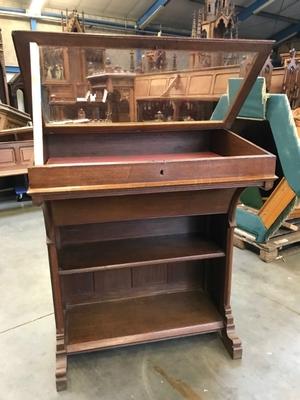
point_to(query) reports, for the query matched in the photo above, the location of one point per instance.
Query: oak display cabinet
(139, 215)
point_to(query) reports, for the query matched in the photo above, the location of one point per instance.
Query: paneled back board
(139, 214)
(16, 151)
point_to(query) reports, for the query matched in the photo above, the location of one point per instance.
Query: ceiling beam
(253, 8)
(109, 24)
(264, 14)
(269, 15)
(151, 12)
(286, 33)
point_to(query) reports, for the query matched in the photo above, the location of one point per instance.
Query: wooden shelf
(131, 321)
(132, 158)
(12, 171)
(113, 254)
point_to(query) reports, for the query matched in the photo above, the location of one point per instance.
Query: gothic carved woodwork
(291, 81)
(215, 20)
(156, 60)
(266, 72)
(71, 22)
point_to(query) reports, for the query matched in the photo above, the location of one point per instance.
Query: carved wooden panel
(15, 157)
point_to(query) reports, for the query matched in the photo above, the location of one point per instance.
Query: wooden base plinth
(61, 363)
(232, 343)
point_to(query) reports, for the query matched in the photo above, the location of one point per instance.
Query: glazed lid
(160, 81)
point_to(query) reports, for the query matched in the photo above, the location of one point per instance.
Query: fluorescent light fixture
(35, 8)
(266, 4)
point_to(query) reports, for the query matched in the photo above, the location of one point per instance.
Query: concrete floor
(266, 305)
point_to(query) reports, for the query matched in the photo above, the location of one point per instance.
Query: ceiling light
(35, 8)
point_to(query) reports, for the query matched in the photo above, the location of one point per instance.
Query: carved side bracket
(61, 363)
(232, 343)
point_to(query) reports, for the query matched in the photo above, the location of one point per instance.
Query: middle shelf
(134, 252)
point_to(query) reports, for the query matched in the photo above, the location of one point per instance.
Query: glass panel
(103, 86)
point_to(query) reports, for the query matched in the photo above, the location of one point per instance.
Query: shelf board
(113, 254)
(12, 171)
(132, 158)
(131, 321)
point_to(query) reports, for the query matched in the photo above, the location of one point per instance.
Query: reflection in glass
(100, 86)
(54, 64)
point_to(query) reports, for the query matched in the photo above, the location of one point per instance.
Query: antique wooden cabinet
(139, 215)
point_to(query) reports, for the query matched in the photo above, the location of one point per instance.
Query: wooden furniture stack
(140, 216)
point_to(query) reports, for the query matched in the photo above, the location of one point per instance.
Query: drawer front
(122, 208)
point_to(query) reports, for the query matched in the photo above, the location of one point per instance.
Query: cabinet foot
(232, 343)
(61, 363)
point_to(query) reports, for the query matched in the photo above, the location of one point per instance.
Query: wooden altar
(140, 215)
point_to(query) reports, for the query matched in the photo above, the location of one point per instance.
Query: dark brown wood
(134, 253)
(138, 320)
(140, 216)
(61, 363)
(161, 173)
(136, 207)
(131, 41)
(52, 244)
(230, 339)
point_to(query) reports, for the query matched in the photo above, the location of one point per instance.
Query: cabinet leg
(232, 343)
(61, 363)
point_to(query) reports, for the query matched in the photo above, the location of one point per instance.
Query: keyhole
(162, 172)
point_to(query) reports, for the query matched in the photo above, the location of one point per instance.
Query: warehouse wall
(9, 24)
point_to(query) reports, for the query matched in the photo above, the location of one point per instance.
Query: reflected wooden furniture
(68, 109)
(140, 216)
(205, 84)
(120, 94)
(72, 83)
(16, 143)
(169, 92)
(16, 151)
(10, 117)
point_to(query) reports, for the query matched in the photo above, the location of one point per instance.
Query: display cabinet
(139, 211)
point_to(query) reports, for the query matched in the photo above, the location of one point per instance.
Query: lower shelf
(131, 321)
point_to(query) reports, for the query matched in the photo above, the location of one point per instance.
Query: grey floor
(266, 304)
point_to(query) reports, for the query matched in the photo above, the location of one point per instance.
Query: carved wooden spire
(194, 28)
(199, 24)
